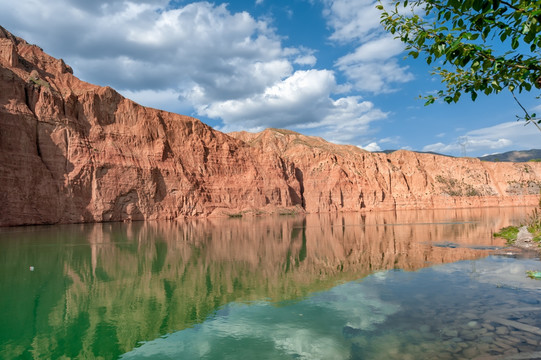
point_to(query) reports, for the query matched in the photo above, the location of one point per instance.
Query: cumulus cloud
(377, 77)
(499, 138)
(373, 65)
(352, 20)
(198, 58)
(149, 46)
(306, 60)
(373, 146)
(378, 49)
(301, 101)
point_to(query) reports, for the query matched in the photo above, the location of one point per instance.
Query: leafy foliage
(463, 35)
(534, 224)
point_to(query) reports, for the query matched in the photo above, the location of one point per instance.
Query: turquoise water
(406, 285)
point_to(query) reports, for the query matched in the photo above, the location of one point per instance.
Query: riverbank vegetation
(533, 224)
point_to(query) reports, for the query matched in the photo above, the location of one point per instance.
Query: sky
(320, 67)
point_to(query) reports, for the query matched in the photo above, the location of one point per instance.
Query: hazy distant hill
(420, 152)
(514, 156)
(510, 156)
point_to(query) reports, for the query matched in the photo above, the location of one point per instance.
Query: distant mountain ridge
(509, 156)
(514, 156)
(419, 152)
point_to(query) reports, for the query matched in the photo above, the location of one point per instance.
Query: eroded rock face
(346, 178)
(76, 152)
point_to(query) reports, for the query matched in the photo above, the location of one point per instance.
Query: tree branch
(527, 116)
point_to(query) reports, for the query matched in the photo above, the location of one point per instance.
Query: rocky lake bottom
(388, 285)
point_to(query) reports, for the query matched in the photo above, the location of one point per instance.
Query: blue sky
(320, 67)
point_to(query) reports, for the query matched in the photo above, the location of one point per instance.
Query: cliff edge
(74, 152)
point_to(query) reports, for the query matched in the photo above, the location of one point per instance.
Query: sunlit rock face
(75, 152)
(346, 178)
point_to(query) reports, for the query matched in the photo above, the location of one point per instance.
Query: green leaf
(514, 43)
(430, 100)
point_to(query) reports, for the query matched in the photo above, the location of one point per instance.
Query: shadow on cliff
(40, 183)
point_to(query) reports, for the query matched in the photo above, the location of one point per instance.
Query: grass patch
(508, 233)
(454, 187)
(534, 227)
(34, 78)
(534, 224)
(236, 215)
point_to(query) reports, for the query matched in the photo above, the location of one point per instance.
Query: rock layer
(346, 178)
(74, 152)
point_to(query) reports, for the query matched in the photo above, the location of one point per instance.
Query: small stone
(483, 348)
(486, 339)
(472, 324)
(511, 351)
(513, 339)
(525, 348)
(450, 333)
(488, 327)
(468, 335)
(524, 235)
(504, 342)
(531, 341)
(502, 330)
(470, 352)
(424, 328)
(443, 355)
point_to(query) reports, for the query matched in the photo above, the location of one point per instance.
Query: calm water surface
(387, 285)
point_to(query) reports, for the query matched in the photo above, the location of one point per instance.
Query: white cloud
(301, 101)
(390, 140)
(499, 138)
(352, 20)
(377, 77)
(306, 60)
(373, 146)
(201, 58)
(379, 49)
(149, 46)
(373, 65)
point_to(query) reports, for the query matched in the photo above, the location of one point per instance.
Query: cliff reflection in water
(98, 290)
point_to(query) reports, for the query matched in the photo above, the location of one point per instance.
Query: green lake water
(382, 285)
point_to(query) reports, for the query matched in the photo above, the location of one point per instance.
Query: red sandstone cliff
(346, 178)
(75, 152)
